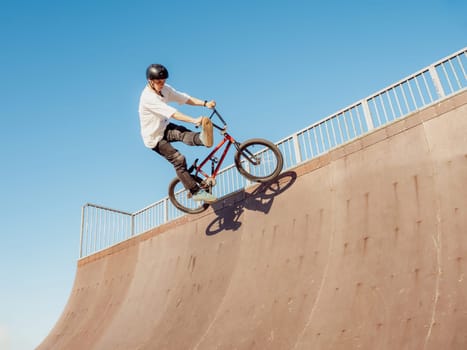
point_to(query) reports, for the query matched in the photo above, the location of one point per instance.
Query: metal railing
(103, 227)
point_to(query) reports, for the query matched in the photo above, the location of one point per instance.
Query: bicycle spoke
(259, 160)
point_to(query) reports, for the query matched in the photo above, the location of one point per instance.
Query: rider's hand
(197, 121)
(211, 104)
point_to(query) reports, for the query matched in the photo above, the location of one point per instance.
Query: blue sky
(72, 72)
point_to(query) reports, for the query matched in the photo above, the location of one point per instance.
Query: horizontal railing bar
(106, 208)
(149, 207)
(450, 57)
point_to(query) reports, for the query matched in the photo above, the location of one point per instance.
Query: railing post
(247, 181)
(367, 114)
(296, 145)
(132, 233)
(81, 233)
(166, 210)
(436, 81)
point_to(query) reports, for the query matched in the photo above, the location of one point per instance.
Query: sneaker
(206, 132)
(203, 196)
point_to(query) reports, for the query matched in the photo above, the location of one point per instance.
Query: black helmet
(156, 71)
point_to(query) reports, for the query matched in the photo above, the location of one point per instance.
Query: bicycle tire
(266, 153)
(188, 206)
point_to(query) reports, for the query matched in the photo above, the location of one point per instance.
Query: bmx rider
(159, 132)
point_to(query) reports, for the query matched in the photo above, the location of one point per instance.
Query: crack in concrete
(437, 243)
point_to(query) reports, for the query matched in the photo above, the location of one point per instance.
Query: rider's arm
(185, 118)
(193, 101)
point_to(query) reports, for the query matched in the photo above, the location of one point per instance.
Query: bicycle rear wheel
(181, 198)
(259, 160)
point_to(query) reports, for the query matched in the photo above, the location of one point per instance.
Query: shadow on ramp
(261, 199)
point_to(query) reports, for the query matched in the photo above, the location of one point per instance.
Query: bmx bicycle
(257, 159)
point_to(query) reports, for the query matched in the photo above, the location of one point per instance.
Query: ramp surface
(362, 248)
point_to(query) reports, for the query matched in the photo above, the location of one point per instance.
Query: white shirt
(154, 112)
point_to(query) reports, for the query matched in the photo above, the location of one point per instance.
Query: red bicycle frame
(227, 141)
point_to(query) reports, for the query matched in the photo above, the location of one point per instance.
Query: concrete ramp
(362, 248)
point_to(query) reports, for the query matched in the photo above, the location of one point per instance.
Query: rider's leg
(180, 133)
(175, 133)
(165, 149)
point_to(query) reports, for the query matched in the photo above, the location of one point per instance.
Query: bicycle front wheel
(182, 200)
(259, 160)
